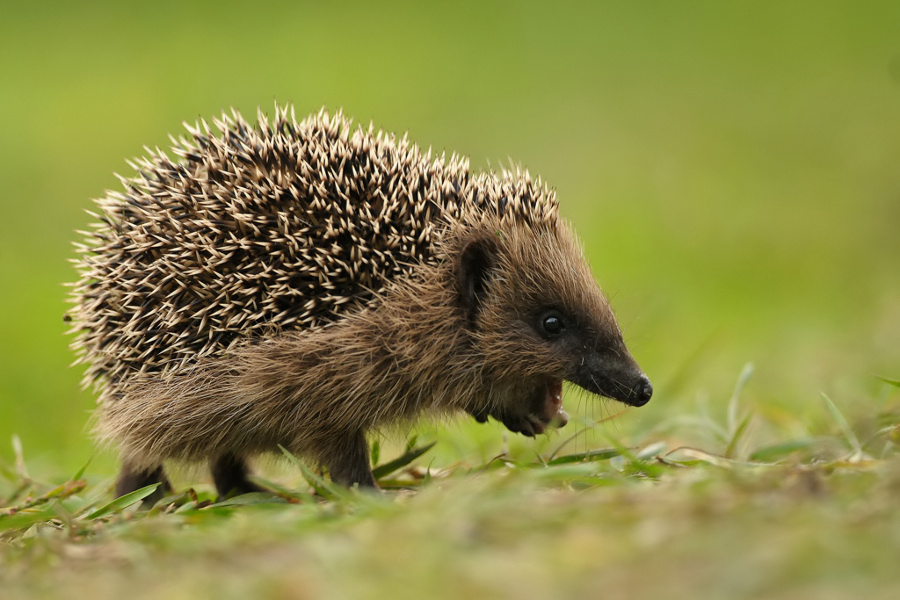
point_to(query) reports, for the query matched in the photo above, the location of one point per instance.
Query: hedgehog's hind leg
(132, 478)
(348, 462)
(230, 474)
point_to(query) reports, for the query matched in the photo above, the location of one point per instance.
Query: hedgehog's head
(537, 317)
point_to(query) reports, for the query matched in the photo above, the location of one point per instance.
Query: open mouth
(549, 410)
(553, 408)
(541, 409)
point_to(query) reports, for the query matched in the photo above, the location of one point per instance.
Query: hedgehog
(302, 284)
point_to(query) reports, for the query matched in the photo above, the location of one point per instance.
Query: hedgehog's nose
(642, 391)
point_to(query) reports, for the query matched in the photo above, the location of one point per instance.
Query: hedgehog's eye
(551, 324)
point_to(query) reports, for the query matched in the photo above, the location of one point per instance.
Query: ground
(808, 517)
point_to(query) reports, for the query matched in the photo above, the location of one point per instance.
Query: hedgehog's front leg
(348, 461)
(230, 475)
(133, 478)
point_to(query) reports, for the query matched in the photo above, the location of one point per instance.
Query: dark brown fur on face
(489, 317)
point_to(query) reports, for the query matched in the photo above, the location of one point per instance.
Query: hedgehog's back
(250, 231)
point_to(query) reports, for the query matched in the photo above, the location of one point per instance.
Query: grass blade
(25, 519)
(400, 462)
(589, 456)
(81, 471)
(734, 402)
(845, 428)
(889, 381)
(375, 452)
(322, 487)
(736, 436)
(123, 502)
(65, 490)
(21, 469)
(775, 452)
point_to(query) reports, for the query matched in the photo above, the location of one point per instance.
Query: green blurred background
(731, 166)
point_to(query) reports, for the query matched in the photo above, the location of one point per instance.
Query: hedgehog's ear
(472, 272)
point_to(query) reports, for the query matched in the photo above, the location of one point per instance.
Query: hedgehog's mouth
(537, 411)
(544, 408)
(553, 411)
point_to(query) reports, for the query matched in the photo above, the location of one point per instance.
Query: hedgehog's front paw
(530, 425)
(541, 409)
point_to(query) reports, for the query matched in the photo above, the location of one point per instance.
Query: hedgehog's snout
(615, 376)
(641, 392)
(618, 387)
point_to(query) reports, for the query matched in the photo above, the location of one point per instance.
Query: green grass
(808, 516)
(732, 170)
